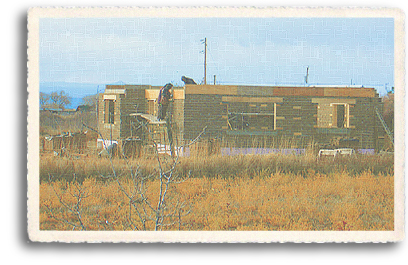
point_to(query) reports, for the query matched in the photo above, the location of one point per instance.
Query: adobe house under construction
(122, 109)
(246, 116)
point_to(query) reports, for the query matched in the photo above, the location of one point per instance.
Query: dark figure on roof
(188, 81)
(163, 101)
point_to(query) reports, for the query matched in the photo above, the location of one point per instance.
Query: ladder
(387, 130)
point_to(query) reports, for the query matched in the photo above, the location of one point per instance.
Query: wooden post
(169, 129)
(375, 127)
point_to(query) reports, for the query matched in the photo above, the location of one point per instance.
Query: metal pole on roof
(307, 75)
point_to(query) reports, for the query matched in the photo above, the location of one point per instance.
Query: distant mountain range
(78, 90)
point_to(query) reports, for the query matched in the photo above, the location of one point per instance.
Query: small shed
(67, 142)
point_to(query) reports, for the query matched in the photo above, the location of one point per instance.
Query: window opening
(333, 115)
(109, 111)
(340, 113)
(251, 119)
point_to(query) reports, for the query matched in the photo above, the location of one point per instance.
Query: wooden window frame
(346, 115)
(243, 114)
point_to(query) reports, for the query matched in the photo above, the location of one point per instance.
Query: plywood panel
(298, 91)
(114, 87)
(211, 89)
(255, 90)
(252, 99)
(349, 92)
(333, 100)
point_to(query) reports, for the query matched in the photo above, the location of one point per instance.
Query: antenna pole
(307, 75)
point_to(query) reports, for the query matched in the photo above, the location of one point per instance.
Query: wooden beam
(333, 100)
(211, 90)
(152, 94)
(251, 99)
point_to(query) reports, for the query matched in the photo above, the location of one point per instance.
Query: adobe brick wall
(201, 111)
(298, 116)
(176, 111)
(132, 102)
(296, 113)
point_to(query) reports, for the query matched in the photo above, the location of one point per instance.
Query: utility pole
(205, 61)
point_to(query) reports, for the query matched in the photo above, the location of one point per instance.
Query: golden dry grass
(213, 166)
(277, 201)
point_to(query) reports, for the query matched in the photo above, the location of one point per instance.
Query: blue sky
(273, 51)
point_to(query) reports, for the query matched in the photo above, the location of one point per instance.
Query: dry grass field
(53, 124)
(252, 192)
